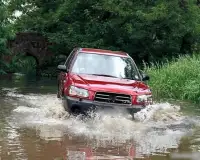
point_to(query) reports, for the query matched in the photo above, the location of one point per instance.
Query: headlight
(75, 91)
(144, 98)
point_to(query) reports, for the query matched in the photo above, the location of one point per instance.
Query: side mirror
(62, 68)
(145, 77)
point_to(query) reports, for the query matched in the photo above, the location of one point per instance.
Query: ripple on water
(156, 128)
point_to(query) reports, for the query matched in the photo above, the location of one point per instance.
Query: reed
(176, 79)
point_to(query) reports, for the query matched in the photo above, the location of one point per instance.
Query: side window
(69, 58)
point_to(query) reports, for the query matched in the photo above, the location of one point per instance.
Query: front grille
(112, 98)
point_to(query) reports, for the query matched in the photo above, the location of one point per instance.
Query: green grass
(177, 79)
(23, 64)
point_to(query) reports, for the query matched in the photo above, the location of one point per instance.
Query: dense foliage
(6, 32)
(147, 29)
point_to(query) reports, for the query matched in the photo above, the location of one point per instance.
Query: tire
(131, 112)
(75, 111)
(58, 92)
(133, 118)
(66, 106)
(58, 95)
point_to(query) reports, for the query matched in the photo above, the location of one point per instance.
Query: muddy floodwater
(34, 125)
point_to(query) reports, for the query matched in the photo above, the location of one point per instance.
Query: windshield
(105, 65)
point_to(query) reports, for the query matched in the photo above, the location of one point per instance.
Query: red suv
(95, 78)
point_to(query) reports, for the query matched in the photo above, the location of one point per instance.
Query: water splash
(159, 112)
(154, 129)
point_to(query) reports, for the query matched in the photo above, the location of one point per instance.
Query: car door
(62, 75)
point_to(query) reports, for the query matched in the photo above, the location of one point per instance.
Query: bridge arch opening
(25, 64)
(34, 47)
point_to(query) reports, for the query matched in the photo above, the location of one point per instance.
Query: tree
(6, 32)
(148, 30)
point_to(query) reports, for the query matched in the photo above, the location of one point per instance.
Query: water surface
(35, 126)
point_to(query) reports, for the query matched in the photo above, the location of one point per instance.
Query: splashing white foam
(46, 114)
(164, 111)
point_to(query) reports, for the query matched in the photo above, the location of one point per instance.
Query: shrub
(177, 79)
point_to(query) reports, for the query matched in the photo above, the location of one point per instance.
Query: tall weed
(178, 79)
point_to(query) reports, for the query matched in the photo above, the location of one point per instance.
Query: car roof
(103, 51)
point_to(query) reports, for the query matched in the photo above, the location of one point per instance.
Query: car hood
(109, 84)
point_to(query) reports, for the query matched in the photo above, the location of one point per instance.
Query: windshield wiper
(105, 75)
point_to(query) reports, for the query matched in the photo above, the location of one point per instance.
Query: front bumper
(85, 105)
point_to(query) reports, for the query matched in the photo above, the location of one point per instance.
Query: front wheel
(132, 116)
(66, 107)
(132, 113)
(59, 92)
(58, 95)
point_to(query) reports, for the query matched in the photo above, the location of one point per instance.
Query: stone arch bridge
(30, 44)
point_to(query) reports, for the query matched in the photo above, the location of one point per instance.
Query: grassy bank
(178, 79)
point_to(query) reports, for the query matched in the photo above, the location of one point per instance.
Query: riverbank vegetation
(6, 32)
(152, 31)
(177, 79)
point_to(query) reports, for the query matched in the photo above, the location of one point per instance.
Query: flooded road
(34, 125)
